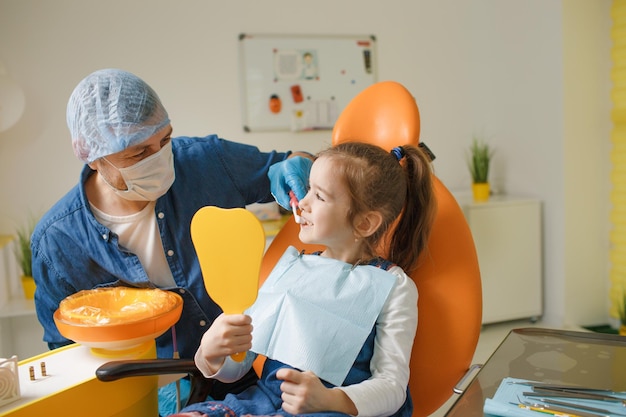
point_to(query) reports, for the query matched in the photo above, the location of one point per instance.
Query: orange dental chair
(447, 275)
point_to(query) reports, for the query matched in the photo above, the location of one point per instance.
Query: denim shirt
(72, 251)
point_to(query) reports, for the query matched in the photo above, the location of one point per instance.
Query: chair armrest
(200, 386)
(112, 371)
(464, 382)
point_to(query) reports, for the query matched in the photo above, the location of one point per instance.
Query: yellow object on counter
(70, 387)
(29, 286)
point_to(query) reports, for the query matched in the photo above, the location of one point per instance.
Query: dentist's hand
(290, 174)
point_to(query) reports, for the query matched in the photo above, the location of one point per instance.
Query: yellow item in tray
(106, 306)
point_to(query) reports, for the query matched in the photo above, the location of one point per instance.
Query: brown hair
(399, 186)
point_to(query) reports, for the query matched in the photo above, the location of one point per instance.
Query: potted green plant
(24, 257)
(478, 160)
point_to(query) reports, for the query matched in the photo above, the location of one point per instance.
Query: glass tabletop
(547, 355)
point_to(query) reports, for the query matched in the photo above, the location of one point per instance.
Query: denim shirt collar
(104, 231)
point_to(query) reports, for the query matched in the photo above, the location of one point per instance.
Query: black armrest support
(200, 386)
(112, 371)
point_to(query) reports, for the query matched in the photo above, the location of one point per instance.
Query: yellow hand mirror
(230, 245)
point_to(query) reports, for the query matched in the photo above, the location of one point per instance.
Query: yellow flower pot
(28, 284)
(481, 191)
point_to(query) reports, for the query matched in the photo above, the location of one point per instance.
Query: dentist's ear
(94, 165)
(366, 224)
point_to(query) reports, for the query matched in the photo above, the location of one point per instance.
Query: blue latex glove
(290, 174)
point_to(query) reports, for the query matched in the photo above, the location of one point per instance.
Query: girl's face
(324, 211)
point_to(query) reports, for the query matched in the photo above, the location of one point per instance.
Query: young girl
(359, 310)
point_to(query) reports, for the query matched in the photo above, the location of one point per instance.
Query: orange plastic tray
(117, 318)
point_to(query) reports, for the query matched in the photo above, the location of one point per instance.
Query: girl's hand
(229, 334)
(303, 392)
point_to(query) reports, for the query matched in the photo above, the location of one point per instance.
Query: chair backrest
(447, 277)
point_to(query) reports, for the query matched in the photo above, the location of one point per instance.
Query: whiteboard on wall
(302, 82)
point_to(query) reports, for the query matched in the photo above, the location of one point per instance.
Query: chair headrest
(383, 114)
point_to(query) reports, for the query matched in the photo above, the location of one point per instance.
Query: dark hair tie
(398, 152)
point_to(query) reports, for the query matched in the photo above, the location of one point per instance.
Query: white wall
(492, 67)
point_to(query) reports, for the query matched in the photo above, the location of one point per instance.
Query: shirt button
(161, 215)
(170, 253)
(104, 237)
(181, 290)
(202, 323)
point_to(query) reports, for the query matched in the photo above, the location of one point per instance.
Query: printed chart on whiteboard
(302, 82)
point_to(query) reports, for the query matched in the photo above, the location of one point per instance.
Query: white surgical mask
(149, 178)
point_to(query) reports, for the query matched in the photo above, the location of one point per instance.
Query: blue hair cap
(110, 110)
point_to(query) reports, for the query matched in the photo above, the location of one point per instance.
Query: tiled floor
(490, 338)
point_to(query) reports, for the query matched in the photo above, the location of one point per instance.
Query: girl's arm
(227, 335)
(385, 391)
(303, 392)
